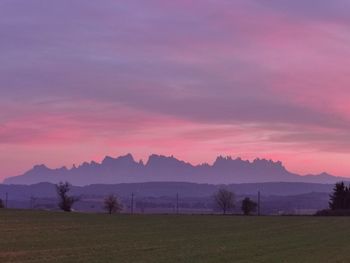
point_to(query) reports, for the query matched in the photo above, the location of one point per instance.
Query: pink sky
(83, 79)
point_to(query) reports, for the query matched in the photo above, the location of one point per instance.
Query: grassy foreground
(28, 236)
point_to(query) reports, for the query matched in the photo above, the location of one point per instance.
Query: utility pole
(177, 203)
(258, 203)
(142, 207)
(132, 203)
(6, 200)
(32, 202)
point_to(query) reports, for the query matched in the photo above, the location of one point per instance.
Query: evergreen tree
(340, 198)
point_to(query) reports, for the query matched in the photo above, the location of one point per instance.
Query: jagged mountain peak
(40, 167)
(128, 158)
(124, 169)
(155, 160)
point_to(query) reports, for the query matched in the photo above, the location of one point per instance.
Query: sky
(82, 79)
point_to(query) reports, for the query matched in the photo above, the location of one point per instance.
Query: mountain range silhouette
(159, 168)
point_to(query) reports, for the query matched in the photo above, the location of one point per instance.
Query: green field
(27, 236)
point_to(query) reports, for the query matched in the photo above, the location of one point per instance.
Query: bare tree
(2, 203)
(248, 206)
(224, 200)
(112, 204)
(65, 202)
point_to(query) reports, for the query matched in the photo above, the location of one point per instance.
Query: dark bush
(329, 212)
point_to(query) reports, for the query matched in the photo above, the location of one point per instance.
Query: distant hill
(159, 189)
(125, 169)
(160, 197)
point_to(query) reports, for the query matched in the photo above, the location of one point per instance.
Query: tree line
(223, 199)
(65, 201)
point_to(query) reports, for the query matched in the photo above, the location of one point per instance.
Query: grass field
(29, 236)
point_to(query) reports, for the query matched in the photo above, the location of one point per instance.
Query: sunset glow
(80, 80)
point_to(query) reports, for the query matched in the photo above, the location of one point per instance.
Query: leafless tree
(65, 202)
(224, 200)
(112, 204)
(2, 204)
